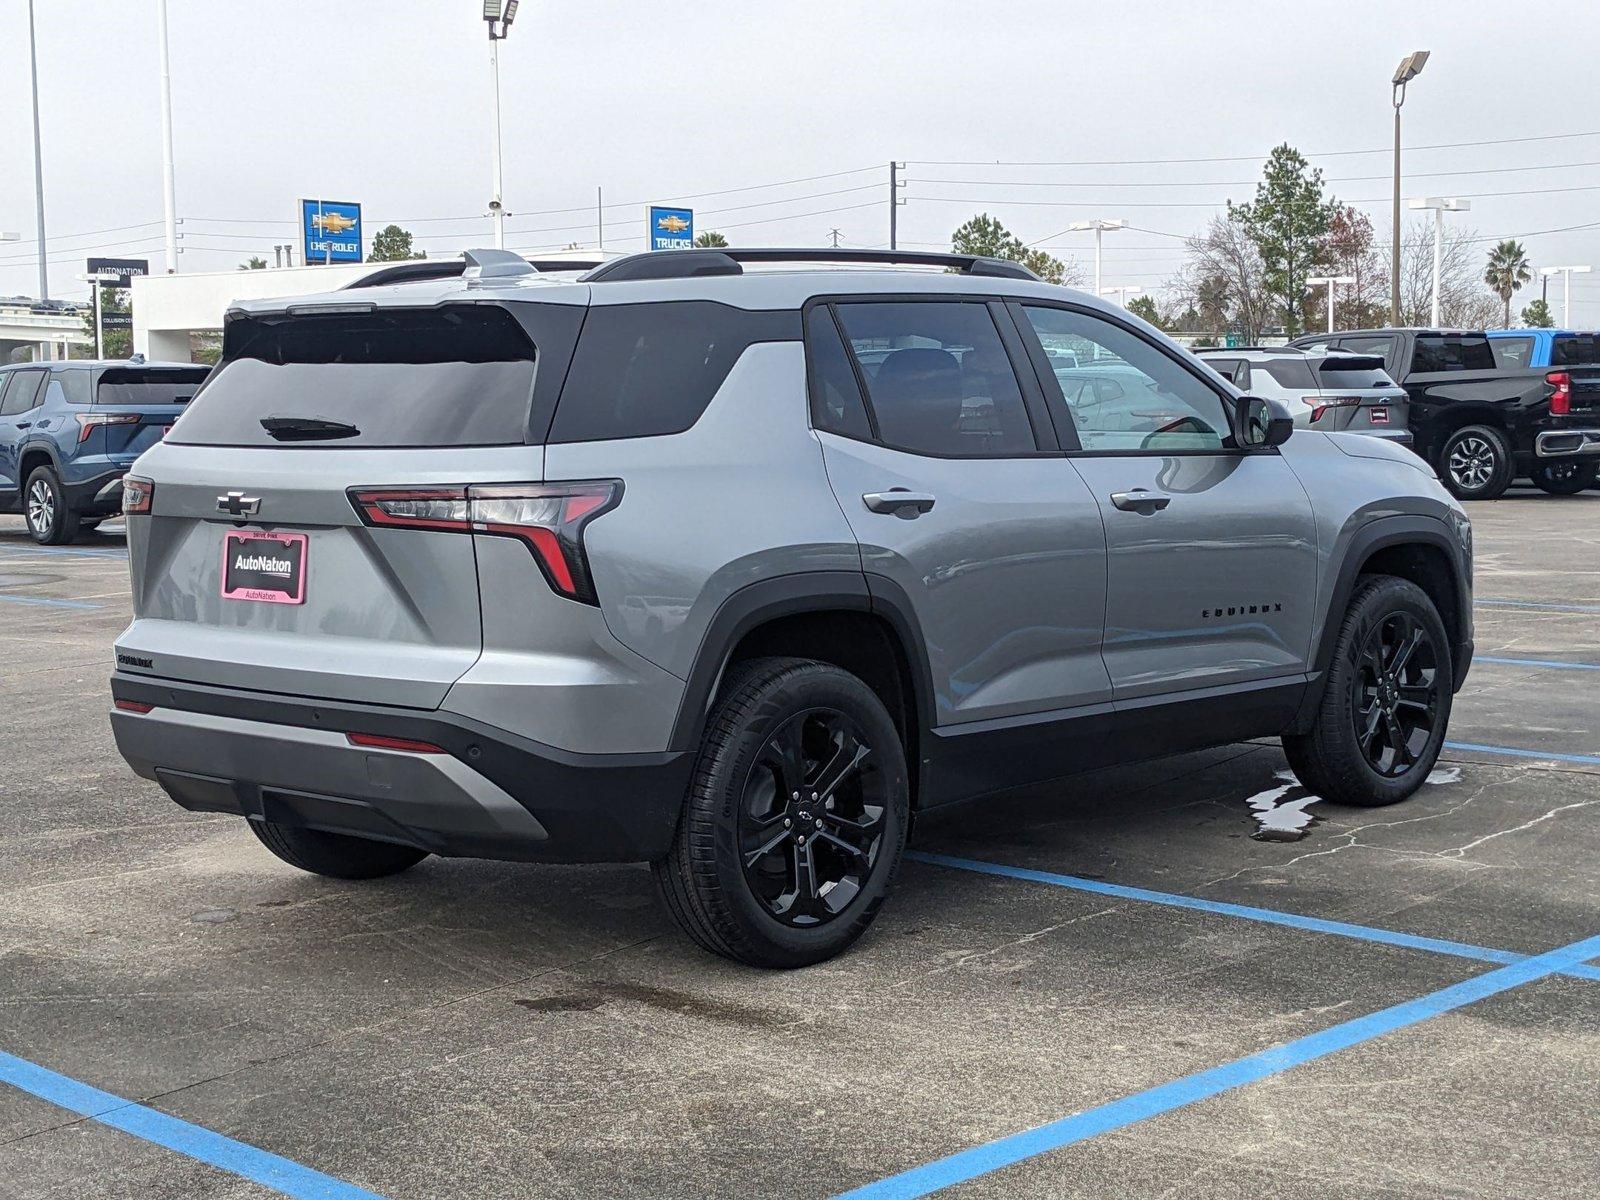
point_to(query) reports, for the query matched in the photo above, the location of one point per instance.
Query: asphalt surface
(474, 1029)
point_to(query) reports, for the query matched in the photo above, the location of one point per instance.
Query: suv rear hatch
(256, 568)
(132, 407)
(1356, 395)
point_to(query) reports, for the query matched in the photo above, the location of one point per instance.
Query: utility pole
(38, 159)
(499, 26)
(600, 218)
(168, 192)
(894, 202)
(1329, 280)
(1439, 205)
(1566, 274)
(1410, 67)
(1099, 225)
(834, 234)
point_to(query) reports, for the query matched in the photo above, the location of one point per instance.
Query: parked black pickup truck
(1483, 425)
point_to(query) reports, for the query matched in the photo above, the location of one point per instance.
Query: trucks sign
(330, 232)
(671, 228)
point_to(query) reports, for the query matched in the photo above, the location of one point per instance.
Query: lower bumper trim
(1567, 443)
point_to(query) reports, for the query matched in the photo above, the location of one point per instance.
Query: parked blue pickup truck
(1544, 348)
(69, 431)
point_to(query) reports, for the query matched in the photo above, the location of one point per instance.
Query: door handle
(1140, 501)
(23, 424)
(908, 506)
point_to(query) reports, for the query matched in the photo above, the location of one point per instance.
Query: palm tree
(710, 238)
(1508, 270)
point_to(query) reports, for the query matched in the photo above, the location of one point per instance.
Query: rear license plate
(268, 567)
(1380, 416)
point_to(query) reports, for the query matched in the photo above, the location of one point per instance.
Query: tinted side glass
(143, 385)
(75, 384)
(23, 394)
(1382, 347)
(1291, 373)
(1228, 368)
(452, 376)
(1435, 353)
(642, 370)
(1575, 350)
(939, 379)
(1511, 352)
(1128, 394)
(836, 403)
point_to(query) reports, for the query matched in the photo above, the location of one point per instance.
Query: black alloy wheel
(1396, 694)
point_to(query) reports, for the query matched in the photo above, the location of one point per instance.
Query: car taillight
(1561, 398)
(89, 422)
(137, 494)
(1324, 403)
(548, 517)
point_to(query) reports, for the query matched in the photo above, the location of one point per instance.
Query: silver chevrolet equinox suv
(736, 571)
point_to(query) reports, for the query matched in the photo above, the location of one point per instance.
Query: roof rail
(687, 264)
(449, 268)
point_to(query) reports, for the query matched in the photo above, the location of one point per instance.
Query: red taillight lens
(548, 517)
(1561, 398)
(379, 742)
(89, 422)
(137, 494)
(1324, 403)
(133, 706)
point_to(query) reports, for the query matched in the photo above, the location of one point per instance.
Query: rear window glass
(1575, 350)
(1354, 373)
(642, 370)
(127, 385)
(452, 376)
(1452, 354)
(1510, 352)
(1292, 373)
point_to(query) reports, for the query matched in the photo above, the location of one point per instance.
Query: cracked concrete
(487, 1030)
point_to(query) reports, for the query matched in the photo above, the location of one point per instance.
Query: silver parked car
(735, 571)
(1329, 390)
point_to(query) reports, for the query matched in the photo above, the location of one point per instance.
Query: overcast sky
(387, 102)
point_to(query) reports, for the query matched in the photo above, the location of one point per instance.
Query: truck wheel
(1475, 463)
(1386, 702)
(1565, 478)
(335, 854)
(50, 522)
(795, 821)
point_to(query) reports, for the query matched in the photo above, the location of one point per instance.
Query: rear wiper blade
(307, 429)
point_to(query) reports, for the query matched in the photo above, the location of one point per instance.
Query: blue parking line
(50, 601)
(1553, 664)
(1130, 1110)
(1539, 604)
(1588, 760)
(194, 1141)
(1366, 933)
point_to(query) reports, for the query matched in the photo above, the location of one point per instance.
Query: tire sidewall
(1585, 478)
(57, 504)
(1370, 609)
(820, 686)
(1498, 480)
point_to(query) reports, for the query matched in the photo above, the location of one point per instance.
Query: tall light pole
(1410, 67)
(497, 16)
(1439, 205)
(1099, 225)
(38, 159)
(1566, 274)
(168, 195)
(1330, 280)
(1122, 292)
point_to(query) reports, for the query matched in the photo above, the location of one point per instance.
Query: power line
(1028, 183)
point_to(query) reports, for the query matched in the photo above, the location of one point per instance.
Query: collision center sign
(330, 232)
(671, 228)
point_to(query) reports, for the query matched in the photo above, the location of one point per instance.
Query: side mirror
(1260, 423)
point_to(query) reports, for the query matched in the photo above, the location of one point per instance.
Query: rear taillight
(548, 517)
(89, 422)
(137, 494)
(379, 742)
(1324, 403)
(1561, 397)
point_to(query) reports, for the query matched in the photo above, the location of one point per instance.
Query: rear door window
(836, 403)
(459, 375)
(1435, 353)
(1511, 352)
(142, 385)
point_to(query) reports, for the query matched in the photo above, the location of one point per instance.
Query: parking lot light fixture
(1329, 281)
(1566, 274)
(497, 18)
(1410, 67)
(1099, 225)
(1439, 206)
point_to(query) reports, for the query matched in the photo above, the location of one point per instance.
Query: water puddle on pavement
(1282, 813)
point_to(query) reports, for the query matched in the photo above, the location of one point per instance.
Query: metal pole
(894, 204)
(1566, 298)
(600, 217)
(1098, 234)
(1330, 306)
(1438, 253)
(168, 194)
(99, 333)
(496, 209)
(38, 160)
(1394, 248)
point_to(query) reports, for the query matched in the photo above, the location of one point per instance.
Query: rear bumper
(1400, 437)
(99, 495)
(491, 794)
(1567, 443)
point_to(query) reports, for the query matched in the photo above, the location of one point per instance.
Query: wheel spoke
(855, 852)
(847, 758)
(1369, 730)
(1398, 742)
(1407, 648)
(1417, 695)
(754, 856)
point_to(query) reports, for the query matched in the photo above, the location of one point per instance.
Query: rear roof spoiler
(689, 264)
(486, 263)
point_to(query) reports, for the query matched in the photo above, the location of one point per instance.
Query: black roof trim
(688, 264)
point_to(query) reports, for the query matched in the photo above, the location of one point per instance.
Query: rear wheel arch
(32, 458)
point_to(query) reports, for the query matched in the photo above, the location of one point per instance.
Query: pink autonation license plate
(267, 567)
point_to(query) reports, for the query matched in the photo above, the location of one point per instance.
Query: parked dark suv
(69, 431)
(734, 572)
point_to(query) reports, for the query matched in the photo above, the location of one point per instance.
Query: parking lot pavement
(1101, 962)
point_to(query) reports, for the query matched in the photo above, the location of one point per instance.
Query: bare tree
(1465, 301)
(1224, 281)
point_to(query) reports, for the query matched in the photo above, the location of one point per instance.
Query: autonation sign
(330, 232)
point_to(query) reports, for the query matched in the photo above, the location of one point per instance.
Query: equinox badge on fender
(237, 504)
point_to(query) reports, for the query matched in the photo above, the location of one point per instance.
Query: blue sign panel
(671, 228)
(330, 232)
